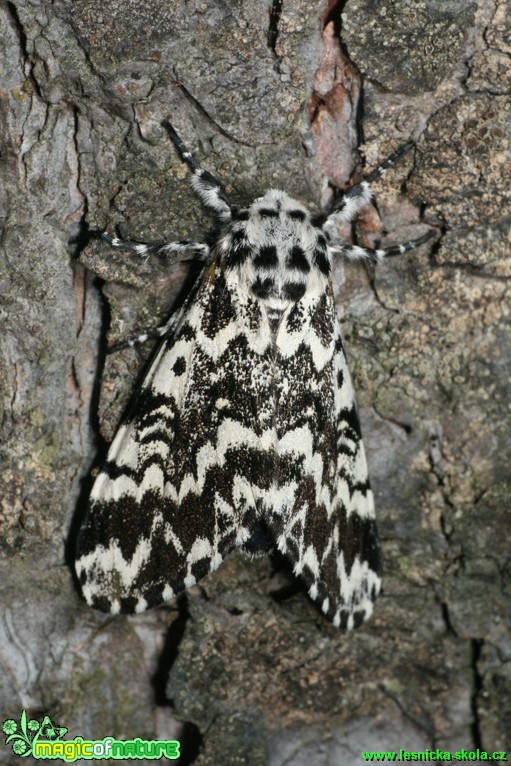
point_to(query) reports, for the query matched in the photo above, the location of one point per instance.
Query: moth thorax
(279, 254)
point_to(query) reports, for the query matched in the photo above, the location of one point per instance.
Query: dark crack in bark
(204, 112)
(273, 25)
(477, 689)
(27, 59)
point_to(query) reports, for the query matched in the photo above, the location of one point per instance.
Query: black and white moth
(245, 432)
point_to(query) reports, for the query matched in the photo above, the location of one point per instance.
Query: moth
(245, 432)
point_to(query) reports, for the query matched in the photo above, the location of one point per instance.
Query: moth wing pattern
(187, 470)
(326, 526)
(207, 461)
(147, 536)
(245, 432)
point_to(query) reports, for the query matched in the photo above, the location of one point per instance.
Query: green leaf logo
(22, 736)
(50, 730)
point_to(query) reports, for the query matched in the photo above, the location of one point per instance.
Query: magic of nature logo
(44, 740)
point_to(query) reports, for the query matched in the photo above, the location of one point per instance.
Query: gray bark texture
(242, 668)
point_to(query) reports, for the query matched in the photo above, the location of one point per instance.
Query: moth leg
(204, 183)
(358, 253)
(183, 250)
(348, 204)
(156, 332)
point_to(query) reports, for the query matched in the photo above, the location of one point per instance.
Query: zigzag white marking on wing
(170, 536)
(354, 501)
(288, 341)
(300, 442)
(111, 559)
(153, 478)
(231, 433)
(106, 489)
(352, 581)
(280, 499)
(125, 450)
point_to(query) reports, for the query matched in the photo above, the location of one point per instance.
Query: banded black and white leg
(204, 183)
(184, 250)
(212, 195)
(347, 205)
(377, 255)
(138, 340)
